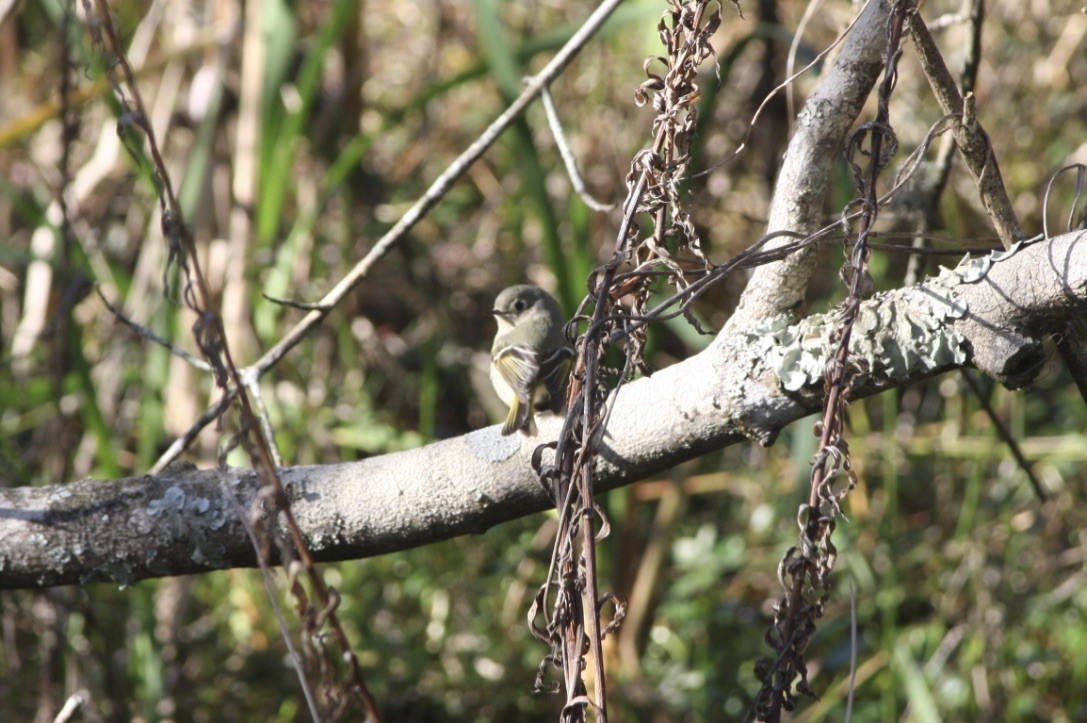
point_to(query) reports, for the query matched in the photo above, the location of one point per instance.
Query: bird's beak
(503, 319)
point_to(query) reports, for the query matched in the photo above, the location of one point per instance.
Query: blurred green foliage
(969, 592)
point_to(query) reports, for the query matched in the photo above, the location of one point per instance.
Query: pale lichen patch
(895, 336)
(189, 517)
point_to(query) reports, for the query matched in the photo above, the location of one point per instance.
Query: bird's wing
(555, 368)
(519, 367)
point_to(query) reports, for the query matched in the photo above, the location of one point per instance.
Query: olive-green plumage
(530, 358)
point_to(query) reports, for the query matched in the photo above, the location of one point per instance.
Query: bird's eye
(519, 305)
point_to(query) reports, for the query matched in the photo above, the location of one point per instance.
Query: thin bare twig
(1005, 435)
(152, 336)
(252, 383)
(790, 63)
(568, 155)
(853, 635)
(780, 87)
(76, 700)
(273, 598)
(300, 305)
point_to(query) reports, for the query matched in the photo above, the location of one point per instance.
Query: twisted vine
(804, 571)
(566, 612)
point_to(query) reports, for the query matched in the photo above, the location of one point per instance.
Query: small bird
(530, 358)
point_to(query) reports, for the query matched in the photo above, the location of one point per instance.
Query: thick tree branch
(991, 313)
(816, 145)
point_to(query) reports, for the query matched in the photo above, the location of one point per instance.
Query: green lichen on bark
(897, 335)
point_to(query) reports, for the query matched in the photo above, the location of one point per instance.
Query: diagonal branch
(534, 86)
(805, 172)
(970, 137)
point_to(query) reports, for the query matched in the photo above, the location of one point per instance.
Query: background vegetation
(969, 591)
